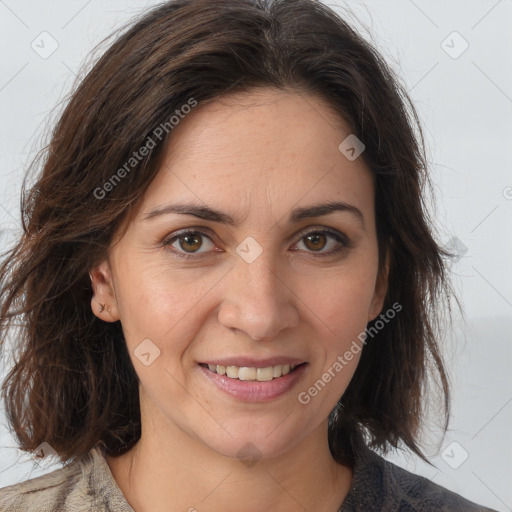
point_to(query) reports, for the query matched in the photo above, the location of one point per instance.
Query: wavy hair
(73, 383)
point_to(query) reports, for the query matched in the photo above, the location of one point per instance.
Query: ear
(381, 288)
(103, 302)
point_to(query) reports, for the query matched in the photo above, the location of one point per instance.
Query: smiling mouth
(252, 374)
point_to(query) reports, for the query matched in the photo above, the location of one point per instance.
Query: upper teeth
(246, 373)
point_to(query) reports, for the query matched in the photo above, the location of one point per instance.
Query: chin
(252, 444)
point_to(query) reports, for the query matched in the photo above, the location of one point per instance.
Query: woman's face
(262, 285)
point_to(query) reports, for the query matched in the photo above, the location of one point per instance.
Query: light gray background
(465, 104)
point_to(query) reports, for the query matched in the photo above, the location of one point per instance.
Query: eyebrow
(297, 215)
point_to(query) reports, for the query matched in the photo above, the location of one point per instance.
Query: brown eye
(190, 242)
(315, 241)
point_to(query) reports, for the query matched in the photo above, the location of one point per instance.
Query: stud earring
(102, 307)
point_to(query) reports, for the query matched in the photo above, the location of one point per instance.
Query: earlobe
(103, 301)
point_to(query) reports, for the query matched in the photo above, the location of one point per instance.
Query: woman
(229, 282)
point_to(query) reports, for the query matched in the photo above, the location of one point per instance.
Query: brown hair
(73, 383)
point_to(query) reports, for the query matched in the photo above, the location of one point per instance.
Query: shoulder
(414, 492)
(46, 492)
(86, 484)
(380, 482)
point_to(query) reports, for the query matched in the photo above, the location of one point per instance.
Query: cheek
(342, 301)
(159, 305)
(154, 290)
(344, 318)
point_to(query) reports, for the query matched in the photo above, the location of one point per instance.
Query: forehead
(261, 123)
(265, 149)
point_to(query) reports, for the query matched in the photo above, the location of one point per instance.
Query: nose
(257, 300)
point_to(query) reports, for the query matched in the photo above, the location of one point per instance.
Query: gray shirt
(88, 485)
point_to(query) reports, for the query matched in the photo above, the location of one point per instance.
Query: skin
(257, 157)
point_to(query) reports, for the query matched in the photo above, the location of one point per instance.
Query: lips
(253, 390)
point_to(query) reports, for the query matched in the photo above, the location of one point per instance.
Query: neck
(182, 471)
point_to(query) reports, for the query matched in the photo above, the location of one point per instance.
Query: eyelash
(339, 237)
